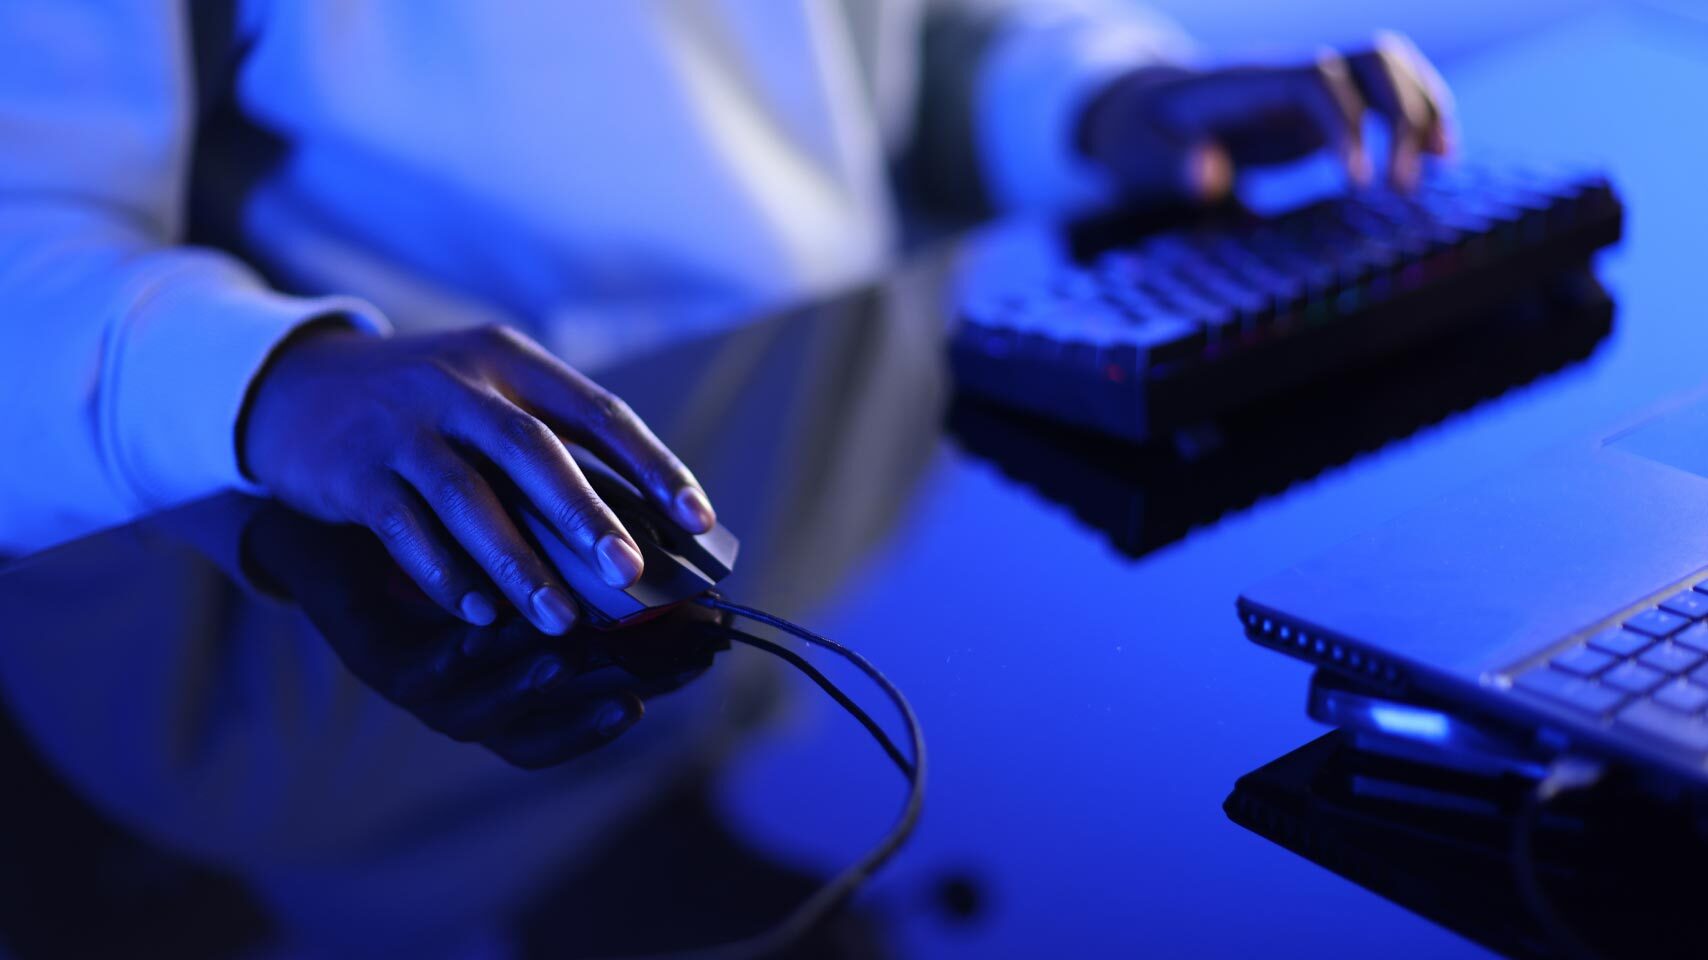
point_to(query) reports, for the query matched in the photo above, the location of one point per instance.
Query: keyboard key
(1623, 643)
(1687, 603)
(1683, 697)
(1585, 695)
(1075, 285)
(1633, 677)
(1165, 339)
(1669, 726)
(1583, 661)
(1694, 636)
(1670, 658)
(1700, 674)
(1657, 623)
(1244, 286)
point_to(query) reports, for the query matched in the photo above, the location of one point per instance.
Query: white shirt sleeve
(125, 357)
(1049, 59)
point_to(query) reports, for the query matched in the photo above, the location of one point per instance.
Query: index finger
(597, 419)
(1402, 86)
(1320, 96)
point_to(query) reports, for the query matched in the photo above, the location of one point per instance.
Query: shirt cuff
(184, 361)
(1044, 67)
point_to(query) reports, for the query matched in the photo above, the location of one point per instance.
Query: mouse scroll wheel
(643, 528)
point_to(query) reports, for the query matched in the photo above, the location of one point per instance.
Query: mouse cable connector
(834, 893)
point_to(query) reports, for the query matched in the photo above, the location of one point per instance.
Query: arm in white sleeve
(1047, 61)
(125, 358)
(1006, 82)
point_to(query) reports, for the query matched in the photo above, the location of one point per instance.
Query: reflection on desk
(209, 762)
(1613, 872)
(1146, 496)
(202, 721)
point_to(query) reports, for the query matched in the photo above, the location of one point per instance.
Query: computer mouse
(678, 565)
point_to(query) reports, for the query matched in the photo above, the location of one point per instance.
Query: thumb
(1154, 167)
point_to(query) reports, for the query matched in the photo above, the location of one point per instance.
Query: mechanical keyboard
(1145, 496)
(1187, 324)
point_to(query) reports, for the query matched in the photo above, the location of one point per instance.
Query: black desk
(200, 754)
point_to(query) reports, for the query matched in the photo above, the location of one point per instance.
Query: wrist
(277, 368)
(1131, 131)
(1122, 101)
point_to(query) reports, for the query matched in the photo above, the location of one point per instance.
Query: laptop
(1567, 599)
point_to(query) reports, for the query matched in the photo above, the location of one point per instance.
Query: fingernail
(615, 717)
(1362, 171)
(477, 609)
(476, 643)
(545, 674)
(553, 611)
(694, 511)
(619, 563)
(1209, 172)
(1407, 171)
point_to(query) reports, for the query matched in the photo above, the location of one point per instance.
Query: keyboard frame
(1039, 377)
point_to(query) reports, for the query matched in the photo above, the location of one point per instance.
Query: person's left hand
(1169, 133)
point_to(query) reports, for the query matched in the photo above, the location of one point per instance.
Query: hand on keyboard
(1168, 132)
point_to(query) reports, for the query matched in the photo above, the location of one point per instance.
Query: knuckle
(393, 521)
(1339, 90)
(524, 433)
(496, 336)
(1325, 74)
(435, 575)
(581, 514)
(455, 488)
(424, 449)
(506, 567)
(1394, 46)
(430, 373)
(1330, 72)
(606, 410)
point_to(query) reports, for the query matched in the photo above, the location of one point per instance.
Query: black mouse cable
(832, 690)
(835, 892)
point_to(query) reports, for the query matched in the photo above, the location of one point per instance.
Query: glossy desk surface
(193, 763)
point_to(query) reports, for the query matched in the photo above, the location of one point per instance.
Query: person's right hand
(394, 433)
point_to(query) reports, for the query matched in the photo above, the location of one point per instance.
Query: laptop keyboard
(1647, 675)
